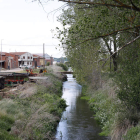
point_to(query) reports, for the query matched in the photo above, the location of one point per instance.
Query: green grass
(34, 117)
(133, 133)
(6, 122)
(4, 135)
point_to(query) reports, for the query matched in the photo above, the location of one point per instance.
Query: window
(23, 57)
(30, 63)
(27, 63)
(28, 57)
(31, 57)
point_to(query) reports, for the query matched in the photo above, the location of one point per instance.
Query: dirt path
(12, 70)
(54, 69)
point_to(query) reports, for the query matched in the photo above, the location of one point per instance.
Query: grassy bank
(116, 120)
(34, 112)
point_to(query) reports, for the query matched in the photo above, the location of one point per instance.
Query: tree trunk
(115, 64)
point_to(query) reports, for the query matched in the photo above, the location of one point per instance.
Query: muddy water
(77, 122)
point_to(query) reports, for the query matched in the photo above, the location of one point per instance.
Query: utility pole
(43, 56)
(1, 54)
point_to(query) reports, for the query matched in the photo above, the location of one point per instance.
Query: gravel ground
(13, 70)
(55, 69)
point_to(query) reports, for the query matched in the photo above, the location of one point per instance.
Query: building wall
(5, 65)
(13, 62)
(26, 59)
(3, 59)
(36, 62)
(42, 61)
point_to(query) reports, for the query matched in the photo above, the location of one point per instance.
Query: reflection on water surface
(77, 122)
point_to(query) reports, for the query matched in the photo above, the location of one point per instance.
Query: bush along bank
(33, 116)
(116, 120)
(65, 68)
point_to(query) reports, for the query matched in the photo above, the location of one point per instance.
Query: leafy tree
(128, 77)
(105, 27)
(94, 31)
(110, 17)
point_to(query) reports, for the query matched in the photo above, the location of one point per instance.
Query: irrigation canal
(77, 122)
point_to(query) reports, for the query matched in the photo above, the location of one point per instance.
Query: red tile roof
(3, 53)
(18, 53)
(34, 55)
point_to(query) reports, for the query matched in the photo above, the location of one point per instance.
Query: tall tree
(112, 16)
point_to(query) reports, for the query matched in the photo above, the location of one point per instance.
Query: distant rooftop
(18, 53)
(46, 55)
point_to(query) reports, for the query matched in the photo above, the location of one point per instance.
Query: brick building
(36, 60)
(16, 59)
(47, 59)
(8, 60)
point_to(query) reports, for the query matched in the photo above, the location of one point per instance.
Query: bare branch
(102, 36)
(109, 48)
(107, 6)
(134, 5)
(130, 42)
(119, 2)
(39, 1)
(104, 4)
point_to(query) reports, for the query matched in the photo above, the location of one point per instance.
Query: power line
(26, 45)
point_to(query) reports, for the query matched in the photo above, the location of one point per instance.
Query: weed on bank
(115, 119)
(35, 116)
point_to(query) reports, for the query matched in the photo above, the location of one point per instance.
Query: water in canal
(77, 122)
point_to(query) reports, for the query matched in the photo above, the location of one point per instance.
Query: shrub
(62, 104)
(48, 63)
(63, 66)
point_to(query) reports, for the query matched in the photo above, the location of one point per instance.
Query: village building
(8, 60)
(48, 59)
(36, 61)
(24, 58)
(17, 59)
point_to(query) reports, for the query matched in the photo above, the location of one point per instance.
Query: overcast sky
(23, 22)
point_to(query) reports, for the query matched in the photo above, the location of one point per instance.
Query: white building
(24, 58)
